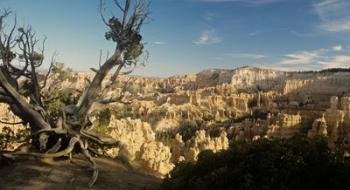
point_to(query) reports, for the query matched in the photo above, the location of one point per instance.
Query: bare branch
(116, 74)
(5, 13)
(116, 2)
(102, 5)
(11, 123)
(55, 147)
(84, 146)
(34, 117)
(64, 152)
(50, 69)
(100, 59)
(126, 11)
(116, 99)
(9, 40)
(42, 52)
(101, 140)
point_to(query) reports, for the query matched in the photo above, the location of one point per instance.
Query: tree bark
(32, 116)
(89, 96)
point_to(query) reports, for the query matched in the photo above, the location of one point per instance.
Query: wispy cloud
(337, 48)
(208, 37)
(209, 16)
(334, 15)
(247, 2)
(334, 57)
(159, 43)
(340, 61)
(300, 58)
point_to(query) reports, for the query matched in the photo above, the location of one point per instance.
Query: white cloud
(337, 48)
(208, 37)
(336, 25)
(334, 15)
(159, 43)
(300, 58)
(340, 61)
(334, 57)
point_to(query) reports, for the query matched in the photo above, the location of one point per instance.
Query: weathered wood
(84, 146)
(89, 96)
(72, 122)
(31, 115)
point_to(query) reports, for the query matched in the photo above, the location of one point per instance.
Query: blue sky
(187, 36)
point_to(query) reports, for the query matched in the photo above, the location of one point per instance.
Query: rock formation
(132, 134)
(155, 158)
(201, 141)
(171, 120)
(319, 128)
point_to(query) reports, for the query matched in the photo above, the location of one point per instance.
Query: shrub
(61, 70)
(297, 163)
(104, 118)
(59, 98)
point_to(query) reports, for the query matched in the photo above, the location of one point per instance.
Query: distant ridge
(331, 70)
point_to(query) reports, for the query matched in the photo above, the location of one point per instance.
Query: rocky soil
(34, 174)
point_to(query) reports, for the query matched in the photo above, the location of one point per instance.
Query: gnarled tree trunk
(72, 124)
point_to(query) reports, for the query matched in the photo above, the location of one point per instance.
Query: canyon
(160, 122)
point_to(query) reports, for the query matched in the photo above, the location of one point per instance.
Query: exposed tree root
(55, 147)
(64, 152)
(52, 153)
(75, 134)
(84, 147)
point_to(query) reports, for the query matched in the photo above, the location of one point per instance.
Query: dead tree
(21, 55)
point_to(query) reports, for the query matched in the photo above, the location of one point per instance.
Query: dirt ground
(36, 174)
